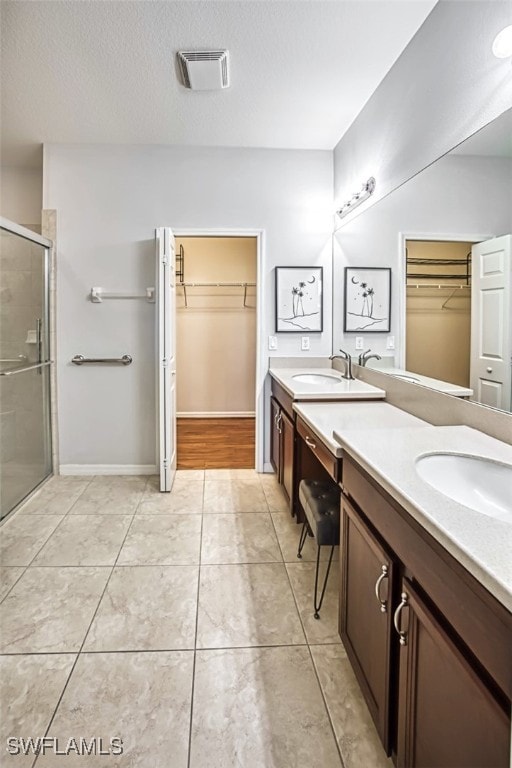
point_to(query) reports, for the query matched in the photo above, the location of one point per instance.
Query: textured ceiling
(106, 71)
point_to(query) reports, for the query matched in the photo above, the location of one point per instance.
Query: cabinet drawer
(324, 456)
(284, 399)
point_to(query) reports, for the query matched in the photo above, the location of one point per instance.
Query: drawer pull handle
(383, 575)
(310, 442)
(489, 369)
(396, 619)
(278, 422)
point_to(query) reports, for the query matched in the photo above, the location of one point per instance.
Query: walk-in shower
(25, 425)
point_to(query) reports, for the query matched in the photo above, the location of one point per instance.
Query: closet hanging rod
(438, 287)
(216, 285)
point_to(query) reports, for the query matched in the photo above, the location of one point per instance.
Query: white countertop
(336, 388)
(425, 381)
(482, 544)
(330, 420)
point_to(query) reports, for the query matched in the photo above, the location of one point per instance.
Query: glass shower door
(25, 429)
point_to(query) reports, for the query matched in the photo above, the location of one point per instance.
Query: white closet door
(491, 333)
(166, 356)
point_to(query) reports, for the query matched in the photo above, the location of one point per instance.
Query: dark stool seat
(321, 504)
(320, 501)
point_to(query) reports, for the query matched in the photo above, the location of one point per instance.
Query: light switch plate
(390, 342)
(304, 343)
(359, 342)
(272, 342)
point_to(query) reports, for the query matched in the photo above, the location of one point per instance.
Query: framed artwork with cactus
(367, 300)
(299, 306)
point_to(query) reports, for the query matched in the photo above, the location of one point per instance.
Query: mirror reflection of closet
(438, 310)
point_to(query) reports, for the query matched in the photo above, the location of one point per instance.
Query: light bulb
(502, 45)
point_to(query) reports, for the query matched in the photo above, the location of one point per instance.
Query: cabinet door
(365, 614)
(447, 717)
(275, 437)
(287, 438)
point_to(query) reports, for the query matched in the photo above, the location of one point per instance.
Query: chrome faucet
(348, 363)
(364, 357)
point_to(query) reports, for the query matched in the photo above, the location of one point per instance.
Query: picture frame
(367, 307)
(299, 299)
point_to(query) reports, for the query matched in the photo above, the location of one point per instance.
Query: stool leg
(319, 605)
(303, 537)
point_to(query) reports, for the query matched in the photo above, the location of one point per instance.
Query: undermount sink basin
(315, 378)
(478, 483)
(405, 377)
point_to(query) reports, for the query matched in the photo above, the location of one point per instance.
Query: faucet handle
(344, 354)
(362, 356)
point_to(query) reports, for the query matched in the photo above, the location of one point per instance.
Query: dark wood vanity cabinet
(366, 616)
(282, 437)
(275, 437)
(447, 716)
(287, 453)
(431, 648)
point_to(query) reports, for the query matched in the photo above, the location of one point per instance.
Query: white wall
(458, 195)
(109, 200)
(446, 85)
(21, 191)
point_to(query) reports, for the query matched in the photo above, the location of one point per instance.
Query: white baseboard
(267, 467)
(216, 414)
(108, 469)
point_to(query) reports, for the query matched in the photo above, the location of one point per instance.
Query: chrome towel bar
(80, 360)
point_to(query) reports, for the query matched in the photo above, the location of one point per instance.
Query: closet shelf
(464, 266)
(186, 285)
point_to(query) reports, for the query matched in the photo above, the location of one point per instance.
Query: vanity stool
(321, 504)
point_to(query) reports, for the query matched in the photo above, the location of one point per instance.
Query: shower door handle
(39, 335)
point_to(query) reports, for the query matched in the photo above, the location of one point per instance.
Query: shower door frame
(34, 237)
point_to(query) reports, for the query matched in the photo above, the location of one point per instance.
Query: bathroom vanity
(429, 641)
(291, 385)
(425, 580)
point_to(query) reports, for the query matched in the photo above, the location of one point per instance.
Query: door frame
(259, 405)
(443, 237)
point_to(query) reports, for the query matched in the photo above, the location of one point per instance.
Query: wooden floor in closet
(215, 443)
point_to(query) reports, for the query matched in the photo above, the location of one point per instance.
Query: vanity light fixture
(367, 190)
(502, 45)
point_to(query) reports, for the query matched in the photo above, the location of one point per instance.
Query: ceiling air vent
(204, 70)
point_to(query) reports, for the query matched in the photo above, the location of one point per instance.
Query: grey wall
(109, 200)
(446, 85)
(21, 191)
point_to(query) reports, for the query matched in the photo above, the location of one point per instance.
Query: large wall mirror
(446, 234)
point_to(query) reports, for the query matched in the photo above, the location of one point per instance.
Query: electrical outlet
(304, 343)
(359, 342)
(390, 342)
(272, 342)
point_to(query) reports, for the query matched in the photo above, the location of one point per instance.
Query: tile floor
(180, 623)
